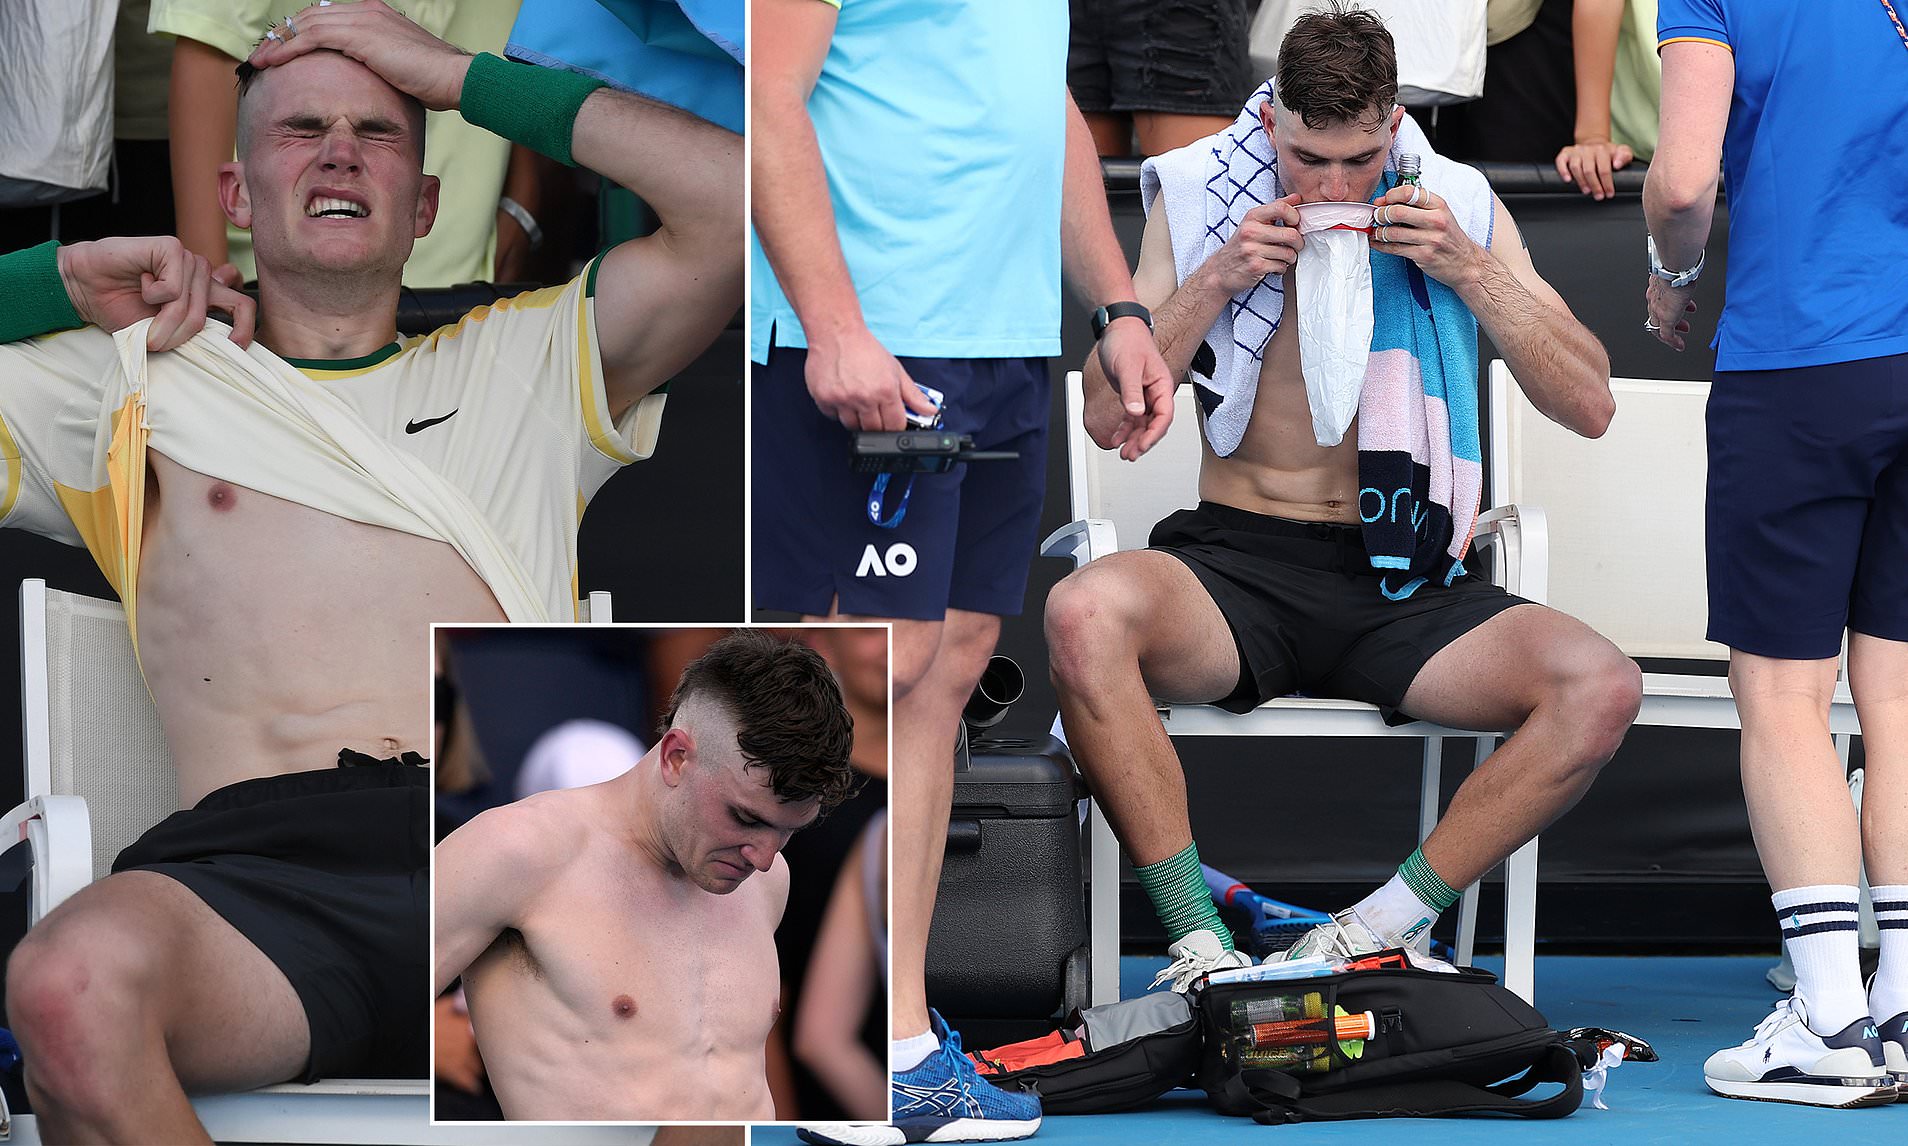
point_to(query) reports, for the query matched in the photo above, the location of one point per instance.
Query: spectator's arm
(202, 118)
(840, 986)
(523, 185)
(1588, 162)
(487, 871)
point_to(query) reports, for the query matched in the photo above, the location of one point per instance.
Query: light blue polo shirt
(1815, 160)
(942, 126)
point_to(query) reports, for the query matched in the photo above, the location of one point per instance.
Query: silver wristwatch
(1674, 278)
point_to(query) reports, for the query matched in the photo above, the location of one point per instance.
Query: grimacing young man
(617, 941)
(1288, 575)
(284, 517)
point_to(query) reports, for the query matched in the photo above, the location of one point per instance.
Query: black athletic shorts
(1303, 604)
(327, 874)
(1182, 57)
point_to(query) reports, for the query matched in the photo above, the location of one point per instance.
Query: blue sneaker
(944, 1099)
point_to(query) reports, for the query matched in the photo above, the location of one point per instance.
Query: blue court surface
(1685, 1008)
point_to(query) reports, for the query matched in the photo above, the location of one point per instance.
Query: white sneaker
(1195, 956)
(1345, 937)
(1785, 1061)
(1894, 1037)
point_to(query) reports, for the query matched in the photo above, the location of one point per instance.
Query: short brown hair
(788, 713)
(1338, 65)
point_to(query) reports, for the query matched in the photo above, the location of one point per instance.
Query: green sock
(1180, 899)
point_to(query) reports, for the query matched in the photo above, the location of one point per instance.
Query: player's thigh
(229, 1017)
(1144, 605)
(1494, 676)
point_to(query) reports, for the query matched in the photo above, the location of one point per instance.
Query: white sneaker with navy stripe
(1785, 1061)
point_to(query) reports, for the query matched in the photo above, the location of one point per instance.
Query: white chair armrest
(60, 842)
(1524, 533)
(1081, 541)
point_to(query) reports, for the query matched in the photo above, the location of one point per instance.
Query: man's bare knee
(75, 994)
(913, 656)
(1088, 621)
(1600, 697)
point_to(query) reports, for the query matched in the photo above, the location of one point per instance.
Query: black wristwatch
(1115, 310)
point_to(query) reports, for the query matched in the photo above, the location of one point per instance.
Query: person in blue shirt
(922, 181)
(1804, 108)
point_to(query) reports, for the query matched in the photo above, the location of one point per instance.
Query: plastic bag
(1334, 317)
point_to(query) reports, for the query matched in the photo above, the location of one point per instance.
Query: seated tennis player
(617, 941)
(283, 516)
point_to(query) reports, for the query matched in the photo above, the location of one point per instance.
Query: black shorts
(327, 874)
(1303, 604)
(1182, 57)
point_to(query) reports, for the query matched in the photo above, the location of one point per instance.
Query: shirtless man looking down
(284, 518)
(1268, 586)
(618, 957)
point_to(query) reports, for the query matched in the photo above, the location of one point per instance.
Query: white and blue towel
(1420, 461)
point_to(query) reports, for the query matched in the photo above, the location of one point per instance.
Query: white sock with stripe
(1822, 932)
(1889, 996)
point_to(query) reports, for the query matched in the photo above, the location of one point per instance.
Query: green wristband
(526, 104)
(33, 299)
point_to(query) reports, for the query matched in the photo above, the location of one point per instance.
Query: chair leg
(1467, 907)
(1103, 906)
(1520, 922)
(1429, 789)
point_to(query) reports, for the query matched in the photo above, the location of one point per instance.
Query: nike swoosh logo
(414, 427)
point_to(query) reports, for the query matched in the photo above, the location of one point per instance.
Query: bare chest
(1278, 467)
(632, 959)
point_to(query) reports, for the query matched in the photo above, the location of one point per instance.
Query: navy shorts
(967, 538)
(1808, 507)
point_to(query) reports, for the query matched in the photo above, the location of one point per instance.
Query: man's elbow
(1593, 421)
(1666, 193)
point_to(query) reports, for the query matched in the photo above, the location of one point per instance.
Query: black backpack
(1380, 1044)
(1135, 1050)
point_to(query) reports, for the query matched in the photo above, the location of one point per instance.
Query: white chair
(1628, 544)
(98, 774)
(1627, 535)
(1114, 506)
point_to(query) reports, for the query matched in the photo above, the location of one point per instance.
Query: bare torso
(272, 635)
(1279, 468)
(625, 993)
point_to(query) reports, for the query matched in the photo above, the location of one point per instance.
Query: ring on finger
(291, 29)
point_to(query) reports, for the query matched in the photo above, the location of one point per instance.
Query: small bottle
(1409, 165)
(1304, 1045)
(1277, 1008)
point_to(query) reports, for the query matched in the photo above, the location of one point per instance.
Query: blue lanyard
(878, 494)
